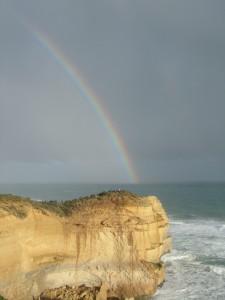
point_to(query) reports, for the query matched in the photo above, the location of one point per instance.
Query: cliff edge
(111, 243)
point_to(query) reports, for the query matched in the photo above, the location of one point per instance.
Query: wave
(222, 228)
(217, 270)
(198, 228)
(177, 223)
(181, 291)
(177, 256)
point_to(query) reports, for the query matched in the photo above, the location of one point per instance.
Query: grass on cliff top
(19, 206)
(14, 205)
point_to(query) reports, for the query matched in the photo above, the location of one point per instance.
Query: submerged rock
(108, 246)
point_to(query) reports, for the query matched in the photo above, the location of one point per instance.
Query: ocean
(195, 268)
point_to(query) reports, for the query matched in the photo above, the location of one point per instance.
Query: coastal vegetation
(19, 206)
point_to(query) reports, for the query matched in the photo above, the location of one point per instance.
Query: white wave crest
(222, 228)
(185, 256)
(218, 270)
(177, 223)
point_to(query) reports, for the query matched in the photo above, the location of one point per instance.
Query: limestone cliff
(114, 240)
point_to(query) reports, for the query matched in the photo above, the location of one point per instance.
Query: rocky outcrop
(75, 292)
(113, 240)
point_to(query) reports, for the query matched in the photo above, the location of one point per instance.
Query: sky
(117, 91)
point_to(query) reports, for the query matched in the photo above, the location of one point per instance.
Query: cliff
(112, 243)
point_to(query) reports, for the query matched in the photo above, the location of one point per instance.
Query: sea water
(195, 268)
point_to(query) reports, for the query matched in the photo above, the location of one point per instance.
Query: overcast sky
(156, 67)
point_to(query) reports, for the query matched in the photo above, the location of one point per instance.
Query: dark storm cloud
(158, 68)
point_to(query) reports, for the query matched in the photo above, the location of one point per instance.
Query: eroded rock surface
(115, 239)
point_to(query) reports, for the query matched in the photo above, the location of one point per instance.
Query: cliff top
(19, 206)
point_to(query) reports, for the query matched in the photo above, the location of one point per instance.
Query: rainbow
(87, 93)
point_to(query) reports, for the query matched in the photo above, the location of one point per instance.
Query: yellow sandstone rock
(114, 240)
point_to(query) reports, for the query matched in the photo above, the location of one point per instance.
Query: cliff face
(114, 240)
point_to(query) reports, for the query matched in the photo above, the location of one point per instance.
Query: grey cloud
(157, 67)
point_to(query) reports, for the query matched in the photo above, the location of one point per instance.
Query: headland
(108, 246)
